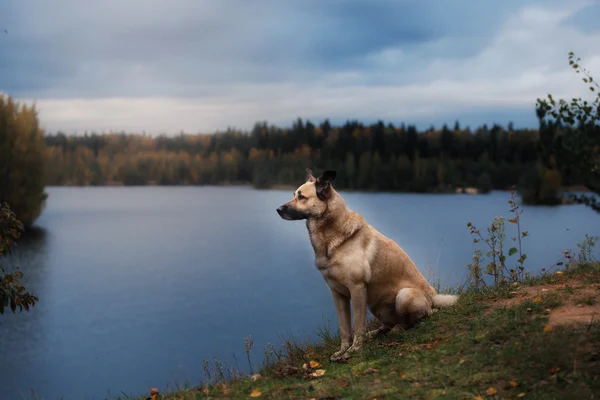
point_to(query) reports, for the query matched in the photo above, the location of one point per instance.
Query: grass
(494, 343)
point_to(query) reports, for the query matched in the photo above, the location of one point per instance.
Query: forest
(377, 157)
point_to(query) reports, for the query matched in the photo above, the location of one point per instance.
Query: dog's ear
(323, 184)
(328, 176)
(309, 176)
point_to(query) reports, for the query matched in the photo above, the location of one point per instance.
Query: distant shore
(448, 190)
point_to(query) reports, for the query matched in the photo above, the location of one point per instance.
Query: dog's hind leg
(386, 314)
(382, 330)
(411, 305)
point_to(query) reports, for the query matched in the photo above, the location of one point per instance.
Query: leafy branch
(12, 290)
(570, 135)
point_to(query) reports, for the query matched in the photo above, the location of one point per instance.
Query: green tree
(540, 185)
(484, 183)
(12, 291)
(22, 160)
(570, 135)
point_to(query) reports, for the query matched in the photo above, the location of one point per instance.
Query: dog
(361, 266)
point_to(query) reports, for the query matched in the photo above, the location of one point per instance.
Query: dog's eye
(300, 197)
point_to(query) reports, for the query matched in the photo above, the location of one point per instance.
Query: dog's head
(310, 199)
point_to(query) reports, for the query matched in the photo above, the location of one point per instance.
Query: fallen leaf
(377, 380)
(461, 362)
(401, 374)
(558, 273)
(429, 346)
(513, 384)
(491, 391)
(314, 364)
(370, 370)
(515, 284)
(548, 328)
(256, 377)
(554, 370)
(305, 366)
(513, 220)
(477, 398)
(529, 309)
(544, 290)
(537, 299)
(318, 373)
(343, 383)
(255, 393)
(521, 395)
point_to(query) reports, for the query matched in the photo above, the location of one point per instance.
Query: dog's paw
(353, 349)
(339, 356)
(374, 333)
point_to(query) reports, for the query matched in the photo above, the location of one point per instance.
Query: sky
(205, 65)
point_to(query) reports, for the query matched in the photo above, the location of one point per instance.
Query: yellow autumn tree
(22, 160)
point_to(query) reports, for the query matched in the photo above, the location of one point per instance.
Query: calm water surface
(138, 285)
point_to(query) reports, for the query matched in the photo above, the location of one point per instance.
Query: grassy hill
(536, 340)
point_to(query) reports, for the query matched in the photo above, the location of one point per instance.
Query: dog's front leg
(358, 294)
(342, 309)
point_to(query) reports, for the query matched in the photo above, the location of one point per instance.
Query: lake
(138, 286)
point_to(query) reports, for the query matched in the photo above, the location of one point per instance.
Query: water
(138, 285)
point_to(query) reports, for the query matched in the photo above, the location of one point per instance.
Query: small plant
(585, 255)
(475, 270)
(515, 209)
(586, 247)
(272, 355)
(497, 267)
(206, 369)
(249, 343)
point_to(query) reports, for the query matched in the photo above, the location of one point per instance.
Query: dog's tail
(444, 300)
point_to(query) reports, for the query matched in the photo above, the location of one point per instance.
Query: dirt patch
(521, 294)
(580, 301)
(571, 314)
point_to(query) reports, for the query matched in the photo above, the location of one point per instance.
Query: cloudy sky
(203, 65)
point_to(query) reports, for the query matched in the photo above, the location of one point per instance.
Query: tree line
(377, 157)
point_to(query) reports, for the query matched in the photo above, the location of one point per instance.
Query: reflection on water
(137, 286)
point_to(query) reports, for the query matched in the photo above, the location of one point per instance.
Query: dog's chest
(335, 279)
(333, 273)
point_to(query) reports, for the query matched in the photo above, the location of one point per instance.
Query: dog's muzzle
(290, 213)
(282, 210)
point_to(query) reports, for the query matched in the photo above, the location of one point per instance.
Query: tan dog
(360, 265)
